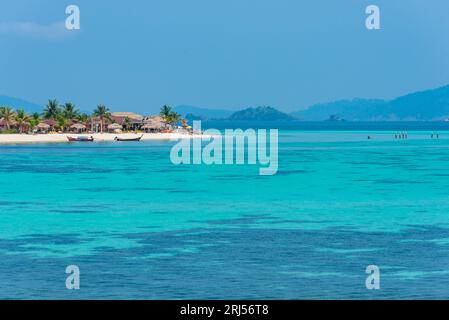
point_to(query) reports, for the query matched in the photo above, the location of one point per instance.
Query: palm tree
(22, 119)
(69, 111)
(52, 110)
(63, 122)
(34, 120)
(165, 113)
(82, 117)
(126, 123)
(103, 113)
(173, 119)
(7, 114)
(36, 116)
(169, 116)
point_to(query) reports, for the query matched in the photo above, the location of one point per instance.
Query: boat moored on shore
(80, 139)
(128, 139)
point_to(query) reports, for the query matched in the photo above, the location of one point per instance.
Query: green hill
(429, 105)
(260, 114)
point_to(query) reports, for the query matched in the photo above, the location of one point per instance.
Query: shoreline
(8, 139)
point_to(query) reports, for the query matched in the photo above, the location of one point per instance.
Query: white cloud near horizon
(54, 31)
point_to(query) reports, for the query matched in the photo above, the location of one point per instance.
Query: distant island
(428, 105)
(260, 114)
(249, 114)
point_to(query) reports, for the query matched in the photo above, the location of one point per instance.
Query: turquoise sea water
(140, 227)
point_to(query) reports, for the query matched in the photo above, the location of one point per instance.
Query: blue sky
(139, 54)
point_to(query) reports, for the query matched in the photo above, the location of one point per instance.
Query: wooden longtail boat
(80, 139)
(128, 139)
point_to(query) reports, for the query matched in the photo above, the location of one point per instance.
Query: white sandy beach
(98, 137)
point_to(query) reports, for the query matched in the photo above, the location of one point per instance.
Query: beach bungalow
(78, 128)
(153, 124)
(115, 128)
(128, 120)
(51, 123)
(42, 128)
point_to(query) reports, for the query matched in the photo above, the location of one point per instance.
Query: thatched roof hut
(79, 127)
(42, 127)
(119, 117)
(114, 127)
(152, 124)
(50, 122)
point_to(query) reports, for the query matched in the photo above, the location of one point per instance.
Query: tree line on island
(67, 114)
